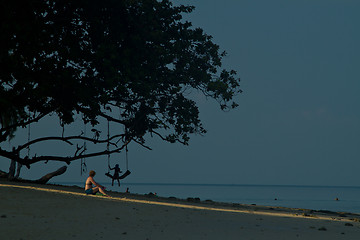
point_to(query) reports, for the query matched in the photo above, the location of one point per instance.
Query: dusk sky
(298, 120)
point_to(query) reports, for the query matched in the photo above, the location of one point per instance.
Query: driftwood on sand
(43, 180)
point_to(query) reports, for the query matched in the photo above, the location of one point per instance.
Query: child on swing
(116, 175)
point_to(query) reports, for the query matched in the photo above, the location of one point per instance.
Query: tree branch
(6, 154)
(67, 140)
(165, 139)
(24, 123)
(27, 161)
(143, 145)
(109, 118)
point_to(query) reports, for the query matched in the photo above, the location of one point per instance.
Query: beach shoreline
(135, 216)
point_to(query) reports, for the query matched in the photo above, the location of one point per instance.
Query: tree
(89, 59)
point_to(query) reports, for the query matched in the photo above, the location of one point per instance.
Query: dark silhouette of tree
(89, 59)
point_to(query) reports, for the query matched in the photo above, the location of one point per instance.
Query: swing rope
(83, 167)
(127, 173)
(29, 137)
(127, 159)
(108, 145)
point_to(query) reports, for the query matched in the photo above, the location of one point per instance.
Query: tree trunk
(18, 169)
(12, 169)
(48, 176)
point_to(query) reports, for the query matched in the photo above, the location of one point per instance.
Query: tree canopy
(90, 58)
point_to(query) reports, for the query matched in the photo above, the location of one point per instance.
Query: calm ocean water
(307, 197)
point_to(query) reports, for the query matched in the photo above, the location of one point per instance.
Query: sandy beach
(30, 211)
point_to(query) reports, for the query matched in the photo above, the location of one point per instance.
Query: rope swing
(116, 175)
(29, 137)
(108, 145)
(83, 167)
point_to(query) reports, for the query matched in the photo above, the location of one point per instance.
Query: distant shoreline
(217, 184)
(251, 208)
(136, 216)
(330, 198)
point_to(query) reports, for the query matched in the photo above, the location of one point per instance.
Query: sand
(29, 211)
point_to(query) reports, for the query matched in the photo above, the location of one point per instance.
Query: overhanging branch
(165, 139)
(109, 118)
(28, 161)
(143, 145)
(68, 140)
(23, 123)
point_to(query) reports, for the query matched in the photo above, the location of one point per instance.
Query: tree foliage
(90, 58)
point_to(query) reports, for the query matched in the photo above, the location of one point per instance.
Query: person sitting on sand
(90, 189)
(116, 174)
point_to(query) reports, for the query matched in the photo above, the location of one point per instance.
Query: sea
(329, 198)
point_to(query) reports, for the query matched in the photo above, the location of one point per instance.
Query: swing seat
(127, 173)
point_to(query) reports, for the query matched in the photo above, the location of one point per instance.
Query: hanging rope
(63, 128)
(127, 159)
(116, 176)
(29, 137)
(83, 167)
(108, 145)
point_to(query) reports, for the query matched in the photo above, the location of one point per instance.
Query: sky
(298, 120)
